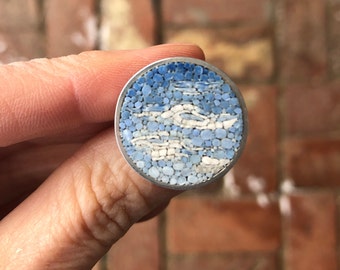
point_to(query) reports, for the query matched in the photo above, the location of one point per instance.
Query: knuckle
(108, 199)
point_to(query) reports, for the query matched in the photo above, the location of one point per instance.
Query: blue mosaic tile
(181, 123)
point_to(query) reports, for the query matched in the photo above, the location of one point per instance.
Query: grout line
(328, 34)
(337, 226)
(276, 9)
(273, 21)
(163, 253)
(42, 24)
(98, 14)
(41, 6)
(159, 29)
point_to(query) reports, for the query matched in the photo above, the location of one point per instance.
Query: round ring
(181, 123)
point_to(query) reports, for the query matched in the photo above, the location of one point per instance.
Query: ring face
(181, 123)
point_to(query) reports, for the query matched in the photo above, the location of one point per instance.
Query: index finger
(43, 97)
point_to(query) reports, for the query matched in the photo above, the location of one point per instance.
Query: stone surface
(138, 249)
(19, 16)
(301, 38)
(21, 37)
(259, 159)
(197, 225)
(20, 47)
(65, 36)
(334, 42)
(313, 162)
(244, 53)
(309, 232)
(312, 109)
(127, 24)
(217, 11)
(210, 189)
(338, 226)
(244, 261)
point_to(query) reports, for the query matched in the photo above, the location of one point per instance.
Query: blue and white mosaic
(180, 123)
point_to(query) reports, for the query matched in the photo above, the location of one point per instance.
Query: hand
(56, 115)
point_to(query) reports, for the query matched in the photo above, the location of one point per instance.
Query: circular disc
(181, 123)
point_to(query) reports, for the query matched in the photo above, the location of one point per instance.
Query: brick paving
(279, 207)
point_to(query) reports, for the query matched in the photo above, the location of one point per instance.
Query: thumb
(80, 211)
(91, 200)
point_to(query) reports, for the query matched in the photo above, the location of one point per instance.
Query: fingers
(94, 197)
(80, 211)
(44, 97)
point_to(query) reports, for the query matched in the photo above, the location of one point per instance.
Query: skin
(66, 193)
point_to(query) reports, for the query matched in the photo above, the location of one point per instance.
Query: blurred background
(279, 208)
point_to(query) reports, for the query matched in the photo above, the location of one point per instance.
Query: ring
(181, 123)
